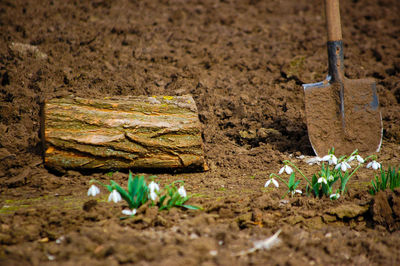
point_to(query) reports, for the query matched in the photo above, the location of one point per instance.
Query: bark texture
(159, 132)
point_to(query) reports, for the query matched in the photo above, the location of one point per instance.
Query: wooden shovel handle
(332, 13)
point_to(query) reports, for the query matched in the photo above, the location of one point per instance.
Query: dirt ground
(244, 63)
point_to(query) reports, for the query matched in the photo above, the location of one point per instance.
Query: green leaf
(181, 200)
(110, 188)
(163, 207)
(296, 184)
(316, 189)
(131, 185)
(191, 207)
(314, 180)
(141, 197)
(173, 200)
(291, 180)
(135, 186)
(161, 201)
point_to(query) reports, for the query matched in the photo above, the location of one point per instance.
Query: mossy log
(159, 132)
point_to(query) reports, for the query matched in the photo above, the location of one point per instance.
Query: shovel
(342, 113)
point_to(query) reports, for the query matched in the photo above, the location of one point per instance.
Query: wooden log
(159, 132)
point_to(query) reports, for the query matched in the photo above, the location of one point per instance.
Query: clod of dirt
(18, 180)
(244, 220)
(348, 211)
(89, 205)
(264, 133)
(386, 210)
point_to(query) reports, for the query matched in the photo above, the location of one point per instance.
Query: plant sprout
(175, 197)
(291, 184)
(389, 179)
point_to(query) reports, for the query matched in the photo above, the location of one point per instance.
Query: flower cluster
(138, 193)
(322, 182)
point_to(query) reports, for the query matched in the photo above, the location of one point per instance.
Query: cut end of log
(158, 132)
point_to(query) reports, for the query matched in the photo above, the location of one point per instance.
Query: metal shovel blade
(343, 114)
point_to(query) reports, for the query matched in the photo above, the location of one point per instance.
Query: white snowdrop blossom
(129, 212)
(343, 166)
(276, 184)
(358, 157)
(93, 191)
(182, 192)
(334, 196)
(153, 195)
(114, 196)
(297, 191)
(287, 169)
(322, 180)
(331, 178)
(153, 187)
(374, 164)
(330, 158)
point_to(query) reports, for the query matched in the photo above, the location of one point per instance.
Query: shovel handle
(332, 13)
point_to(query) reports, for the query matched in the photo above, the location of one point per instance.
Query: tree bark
(159, 132)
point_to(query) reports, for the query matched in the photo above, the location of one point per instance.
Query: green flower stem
(280, 178)
(359, 165)
(348, 178)
(298, 170)
(354, 152)
(373, 156)
(98, 182)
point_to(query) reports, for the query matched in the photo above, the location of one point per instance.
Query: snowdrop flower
(153, 195)
(297, 191)
(374, 164)
(129, 212)
(114, 196)
(330, 158)
(314, 160)
(322, 180)
(358, 157)
(334, 196)
(153, 187)
(93, 191)
(331, 178)
(343, 166)
(273, 182)
(182, 192)
(287, 169)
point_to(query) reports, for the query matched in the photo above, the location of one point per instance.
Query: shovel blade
(345, 123)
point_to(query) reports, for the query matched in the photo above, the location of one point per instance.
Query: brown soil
(244, 63)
